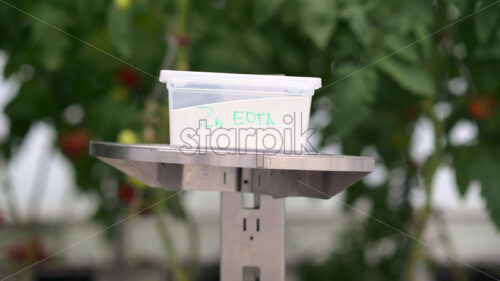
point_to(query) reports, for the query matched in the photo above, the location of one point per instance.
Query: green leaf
(489, 52)
(394, 43)
(462, 159)
(52, 42)
(460, 4)
(489, 173)
(107, 117)
(486, 21)
(410, 77)
(120, 30)
(357, 17)
(471, 164)
(352, 98)
(264, 9)
(14, 62)
(319, 18)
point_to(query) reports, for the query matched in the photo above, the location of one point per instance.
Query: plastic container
(227, 111)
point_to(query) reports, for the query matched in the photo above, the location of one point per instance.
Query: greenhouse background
(412, 83)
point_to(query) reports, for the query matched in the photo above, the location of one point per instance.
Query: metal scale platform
(252, 238)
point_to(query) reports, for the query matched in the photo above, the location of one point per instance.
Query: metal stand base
(252, 240)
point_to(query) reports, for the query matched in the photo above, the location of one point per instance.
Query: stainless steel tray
(277, 174)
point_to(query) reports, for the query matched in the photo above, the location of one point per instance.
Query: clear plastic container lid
(240, 83)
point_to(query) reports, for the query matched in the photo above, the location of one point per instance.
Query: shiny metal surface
(279, 175)
(227, 158)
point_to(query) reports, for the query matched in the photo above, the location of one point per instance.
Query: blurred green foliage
(382, 62)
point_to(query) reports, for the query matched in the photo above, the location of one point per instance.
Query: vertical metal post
(252, 240)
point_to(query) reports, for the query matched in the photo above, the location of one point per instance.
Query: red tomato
(24, 252)
(75, 143)
(129, 77)
(127, 194)
(482, 107)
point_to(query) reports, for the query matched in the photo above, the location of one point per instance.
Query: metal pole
(252, 240)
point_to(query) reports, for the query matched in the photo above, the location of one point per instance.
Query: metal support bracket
(252, 239)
